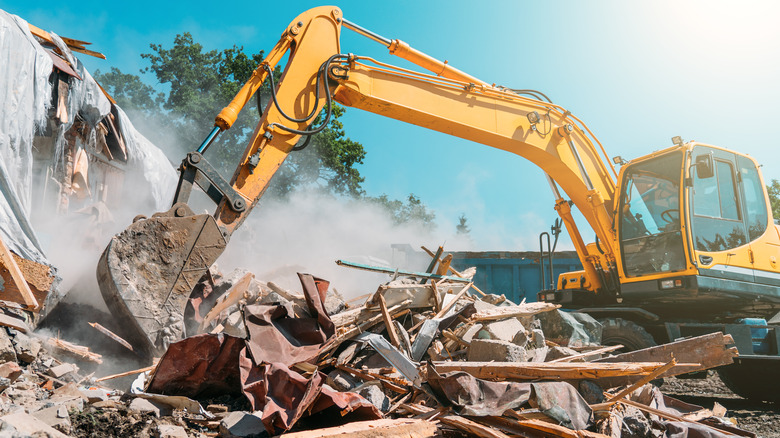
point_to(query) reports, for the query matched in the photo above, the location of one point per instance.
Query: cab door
(764, 241)
(718, 227)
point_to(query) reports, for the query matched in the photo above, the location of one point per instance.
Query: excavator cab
(693, 231)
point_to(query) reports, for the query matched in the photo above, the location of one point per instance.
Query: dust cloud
(309, 231)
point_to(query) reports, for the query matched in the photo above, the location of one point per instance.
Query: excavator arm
(448, 101)
(316, 75)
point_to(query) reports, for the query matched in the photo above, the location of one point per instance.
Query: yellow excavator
(680, 232)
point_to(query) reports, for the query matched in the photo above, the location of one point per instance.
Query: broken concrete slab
(170, 431)
(570, 329)
(503, 330)
(342, 381)
(61, 370)
(372, 391)
(56, 417)
(489, 350)
(71, 403)
(27, 347)
(28, 425)
(7, 350)
(143, 406)
(241, 424)
(561, 352)
(10, 371)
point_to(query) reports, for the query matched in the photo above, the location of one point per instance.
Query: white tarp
(25, 95)
(25, 99)
(152, 163)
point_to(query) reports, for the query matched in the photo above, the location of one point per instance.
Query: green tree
(412, 211)
(774, 197)
(200, 83)
(462, 228)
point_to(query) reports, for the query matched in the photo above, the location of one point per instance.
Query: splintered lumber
(74, 350)
(394, 311)
(461, 423)
(400, 428)
(535, 427)
(368, 377)
(444, 265)
(525, 309)
(111, 335)
(28, 299)
(452, 303)
(554, 371)
(644, 380)
(436, 297)
(391, 271)
(588, 353)
(391, 332)
(231, 297)
(709, 351)
(673, 417)
(127, 373)
(450, 268)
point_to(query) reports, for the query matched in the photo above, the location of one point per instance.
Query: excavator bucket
(147, 272)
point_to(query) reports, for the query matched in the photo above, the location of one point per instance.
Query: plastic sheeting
(25, 96)
(154, 167)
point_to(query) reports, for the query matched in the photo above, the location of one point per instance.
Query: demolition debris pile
(424, 355)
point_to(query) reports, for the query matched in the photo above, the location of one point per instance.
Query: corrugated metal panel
(514, 274)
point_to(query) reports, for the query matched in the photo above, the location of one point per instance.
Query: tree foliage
(198, 83)
(462, 228)
(774, 197)
(411, 211)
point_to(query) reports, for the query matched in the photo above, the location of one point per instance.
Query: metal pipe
(366, 33)
(210, 139)
(581, 166)
(553, 186)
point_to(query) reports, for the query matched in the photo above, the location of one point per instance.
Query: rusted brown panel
(213, 370)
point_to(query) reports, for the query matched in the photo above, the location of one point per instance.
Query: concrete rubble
(493, 372)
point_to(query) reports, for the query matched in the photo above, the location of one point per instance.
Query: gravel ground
(761, 418)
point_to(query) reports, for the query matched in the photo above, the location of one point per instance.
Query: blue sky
(636, 72)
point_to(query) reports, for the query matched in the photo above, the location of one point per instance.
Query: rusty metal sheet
(199, 366)
(277, 336)
(62, 65)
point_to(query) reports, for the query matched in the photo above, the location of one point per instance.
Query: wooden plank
(389, 326)
(399, 428)
(504, 312)
(112, 335)
(126, 373)
(554, 371)
(646, 379)
(444, 265)
(673, 417)
(543, 426)
(472, 428)
(28, 299)
(369, 377)
(709, 351)
(454, 272)
(231, 297)
(436, 297)
(587, 353)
